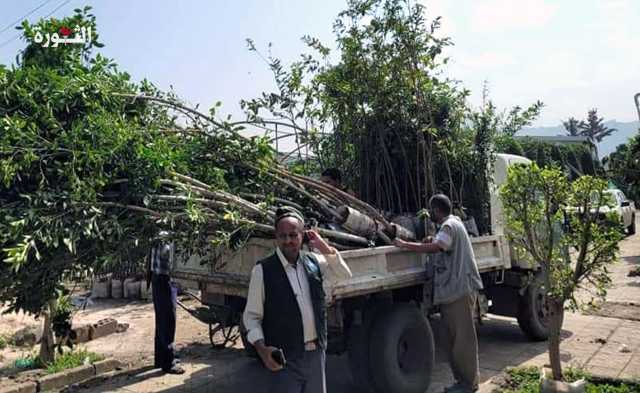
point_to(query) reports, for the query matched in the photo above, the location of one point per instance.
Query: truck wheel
(632, 228)
(533, 310)
(402, 351)
(358, 353)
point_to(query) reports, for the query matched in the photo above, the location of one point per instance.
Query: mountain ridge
(626, 131)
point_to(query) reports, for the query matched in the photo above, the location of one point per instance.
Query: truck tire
(401, 350)
(358, 353)
(632, 228)
(533, 310)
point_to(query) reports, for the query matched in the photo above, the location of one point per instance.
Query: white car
(625, 208)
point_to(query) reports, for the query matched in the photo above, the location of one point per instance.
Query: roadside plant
(560, 228)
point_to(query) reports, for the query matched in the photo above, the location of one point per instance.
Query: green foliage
(573, 126)
(80, 163)
(575, 159)
(527, 380)
(593, 127)
(518, 118)
(547, 217)
(64, 140)
(61, 322)
(385, 115)
(624, 168)
(4, 341)
(58, 57)
(521, 380)
(380, 100)
(73, 359)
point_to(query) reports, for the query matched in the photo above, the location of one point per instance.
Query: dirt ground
(134, 347)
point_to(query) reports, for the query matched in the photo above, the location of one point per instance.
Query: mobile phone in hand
(278, 356)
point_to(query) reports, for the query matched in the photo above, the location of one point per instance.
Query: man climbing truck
(379, 315)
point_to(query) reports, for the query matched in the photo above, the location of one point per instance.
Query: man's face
(328, 180)
(289, 237)
(436, 215)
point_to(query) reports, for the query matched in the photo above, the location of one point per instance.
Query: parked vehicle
(625, 208)
(389, 298)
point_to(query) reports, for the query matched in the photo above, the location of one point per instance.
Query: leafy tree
(82, 164)
(573, 126)
(65, 140)
(384, 114)
(594, 128)
(536, 201)
(575, 159)
(624, 167)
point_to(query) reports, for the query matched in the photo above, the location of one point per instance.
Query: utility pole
(637, 99)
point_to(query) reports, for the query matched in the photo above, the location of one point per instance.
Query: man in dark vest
(286, 307)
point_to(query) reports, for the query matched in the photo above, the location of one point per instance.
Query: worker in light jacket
(456, 283)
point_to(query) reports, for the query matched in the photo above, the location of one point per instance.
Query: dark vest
(282, 321)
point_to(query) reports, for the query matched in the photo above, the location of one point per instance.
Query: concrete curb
(609, 380)
(64, 378)
(99, 379)
(60, 380)
(24, 387)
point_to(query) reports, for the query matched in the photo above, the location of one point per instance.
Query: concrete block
(145, 294)
(116, 289)
(28, 387)
(103, 327)
(24, 387)
(27, 336)
(106, 365)
(83, 334)
(131, 289)
(65, 378)
(101, 289)
(125, 287)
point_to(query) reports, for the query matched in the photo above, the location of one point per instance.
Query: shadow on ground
(501, 344)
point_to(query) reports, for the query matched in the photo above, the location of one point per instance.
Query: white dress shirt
(332, 267)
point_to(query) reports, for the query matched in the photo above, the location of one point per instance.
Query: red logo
(65, 31)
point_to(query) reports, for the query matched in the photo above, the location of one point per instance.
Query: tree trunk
(556, 309)
(47, 352)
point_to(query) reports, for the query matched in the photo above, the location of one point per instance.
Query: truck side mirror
(625, 203)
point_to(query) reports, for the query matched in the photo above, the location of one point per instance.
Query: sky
(573, 54)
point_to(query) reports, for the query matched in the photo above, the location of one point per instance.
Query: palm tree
(573, 126)
(593, 128)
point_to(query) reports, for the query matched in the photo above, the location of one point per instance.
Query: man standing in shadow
(164, 293)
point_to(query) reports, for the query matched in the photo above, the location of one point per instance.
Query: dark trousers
(304, 374)
(164, 305)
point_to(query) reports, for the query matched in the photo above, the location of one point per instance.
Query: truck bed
(374, 269)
